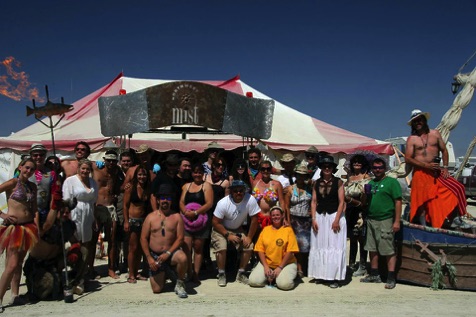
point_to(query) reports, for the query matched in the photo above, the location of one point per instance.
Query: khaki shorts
(219, 242)
(380, 237)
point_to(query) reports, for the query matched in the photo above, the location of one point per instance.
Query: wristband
(196, 214)
(446, 167)
(168, 252)
(227, 234)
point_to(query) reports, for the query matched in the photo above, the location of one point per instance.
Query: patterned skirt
(20, 236)
(302, 229)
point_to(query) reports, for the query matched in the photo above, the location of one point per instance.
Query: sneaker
(361, 271)
(242, 278)
(180, 289)
(390, 284)
(221, 279)
(371, 279)
(334, 285)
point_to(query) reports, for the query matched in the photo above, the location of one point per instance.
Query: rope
(461, 68)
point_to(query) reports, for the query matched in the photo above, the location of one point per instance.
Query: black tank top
(327, 203)
(198, 197)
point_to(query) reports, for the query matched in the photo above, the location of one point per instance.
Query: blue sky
(360, 65)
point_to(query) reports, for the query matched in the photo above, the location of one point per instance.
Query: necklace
(425, 143)
(162, 224)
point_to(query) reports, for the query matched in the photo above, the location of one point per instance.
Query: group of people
(293, 218)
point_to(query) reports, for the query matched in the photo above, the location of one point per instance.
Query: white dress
(83, 214)
(328, 249)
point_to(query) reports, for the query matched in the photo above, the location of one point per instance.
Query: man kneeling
(161, 237)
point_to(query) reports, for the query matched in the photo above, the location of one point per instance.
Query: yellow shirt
(275, 243)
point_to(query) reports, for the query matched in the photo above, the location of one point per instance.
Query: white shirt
(284, 180)
(234, 215)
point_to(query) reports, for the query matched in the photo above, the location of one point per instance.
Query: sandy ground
(108, 297)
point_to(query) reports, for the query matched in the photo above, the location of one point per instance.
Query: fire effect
(15, 84)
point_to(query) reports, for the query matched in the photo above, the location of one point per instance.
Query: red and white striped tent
(292, 130)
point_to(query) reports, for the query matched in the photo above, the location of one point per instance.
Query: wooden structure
(419, 248)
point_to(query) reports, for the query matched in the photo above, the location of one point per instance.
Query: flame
(15, 84)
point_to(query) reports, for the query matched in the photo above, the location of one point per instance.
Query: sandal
(141, 277)
(131, 280)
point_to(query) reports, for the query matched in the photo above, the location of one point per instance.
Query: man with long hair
(435, 196)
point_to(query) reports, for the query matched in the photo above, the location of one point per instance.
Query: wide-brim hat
(143, 148)
(38, 147)
(172, 159)
(326, 160)
(416, 113)
(312, 149)
(165, 189)
(110, 156)
(214, 146)
(288, 157)
(301, 169)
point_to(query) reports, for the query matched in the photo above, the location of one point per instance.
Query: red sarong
(21, 237)
(437, 195)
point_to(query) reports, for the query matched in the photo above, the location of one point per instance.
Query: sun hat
(288, 157)
(214, 146)
(312, 149)
(326, 160)
(165, 189)
(172, 159)
(416, 113)
(110, 156)
(301, 169)
(38, 147)
(142, 149)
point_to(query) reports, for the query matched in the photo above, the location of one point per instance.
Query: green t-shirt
(382, 200)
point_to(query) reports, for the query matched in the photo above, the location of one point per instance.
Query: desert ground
(108, 297)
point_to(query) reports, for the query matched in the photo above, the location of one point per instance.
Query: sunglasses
(111, 161)
(327, 167)
(168, 198)
(219, 165)
(82, 149)
(265, 169)
(378, 167)
(238, 191)
(310, 156)
(240, 167)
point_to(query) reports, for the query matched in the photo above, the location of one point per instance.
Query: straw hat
(416, 113)
(142, 149)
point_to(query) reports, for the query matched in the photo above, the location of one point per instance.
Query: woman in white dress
(82, 187)
(328, 238)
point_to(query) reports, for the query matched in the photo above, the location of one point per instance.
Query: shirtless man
(109, 180)
(70, 166)
(433, 192)
(161, 238)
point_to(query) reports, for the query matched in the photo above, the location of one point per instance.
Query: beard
(187, 175)
(165, 205)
